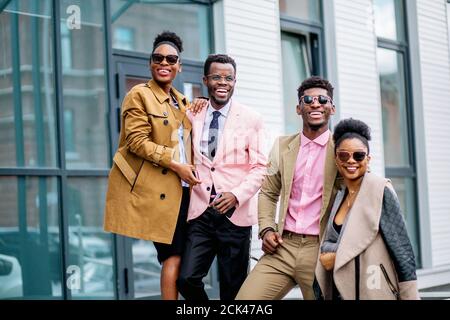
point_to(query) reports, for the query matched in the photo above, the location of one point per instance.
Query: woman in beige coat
(366, 252)
(148, 187)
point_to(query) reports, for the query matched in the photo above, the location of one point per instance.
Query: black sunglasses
(357, 155)
(158, 58)
(310, 99)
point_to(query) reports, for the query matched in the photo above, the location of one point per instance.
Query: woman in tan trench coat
(148, 188)
(366, 252)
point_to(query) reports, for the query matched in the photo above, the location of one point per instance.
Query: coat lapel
(363, 220)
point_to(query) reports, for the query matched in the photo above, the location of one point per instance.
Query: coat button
(208, 189)
(213, 169)
(164, 171)
(166, 122)
(162, 196)
(165, 114)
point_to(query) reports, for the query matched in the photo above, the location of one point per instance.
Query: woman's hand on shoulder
(198, 104)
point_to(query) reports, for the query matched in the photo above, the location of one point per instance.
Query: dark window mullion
(392, 45)
(62, 186)
(87, 173)
(297, 21)
(30, 172)
(407, 172)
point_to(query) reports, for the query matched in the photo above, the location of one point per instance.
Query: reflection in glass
(393, 101)
(123, 38)
(135, 25)
(130, 82)
(27, 113)
(404, 187)
(296, 68)
(30, 255)
(389, 22)
(302, 9)
(192, 90)
(90, 248)
(146, 269)
(84, 87)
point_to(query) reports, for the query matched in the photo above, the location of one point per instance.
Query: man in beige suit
(302, 170)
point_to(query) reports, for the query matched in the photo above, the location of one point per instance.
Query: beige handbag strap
(126, 169)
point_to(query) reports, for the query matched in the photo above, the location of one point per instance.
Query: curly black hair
(219, 58)
(169, 37)
(315, 82)
(351, 129)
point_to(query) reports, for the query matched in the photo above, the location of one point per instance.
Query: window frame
(406, 172)
(300, 27)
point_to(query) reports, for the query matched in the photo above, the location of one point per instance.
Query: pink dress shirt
(305, 201)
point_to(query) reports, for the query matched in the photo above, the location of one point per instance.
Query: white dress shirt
(208, 118)
(181, 147)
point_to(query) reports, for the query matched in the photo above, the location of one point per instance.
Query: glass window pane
(302, 9)
(124, 38)
(192, 90)
(404, 187)
(30, 255)
(394, 113)
(90, 248)
(296, 68)
(84, 85)
(146, 269)
(133, 81)
(389, 22)
(27, 113)
(135, 25)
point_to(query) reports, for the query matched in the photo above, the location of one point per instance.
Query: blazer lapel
(329, 177)
(289, 161)
(198, 123)
(230, 122)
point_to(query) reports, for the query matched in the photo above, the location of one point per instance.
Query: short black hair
(219, 58)
(351, 129)
(169, 37)
(315, 82)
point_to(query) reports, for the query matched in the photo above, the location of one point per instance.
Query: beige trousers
(276, 274)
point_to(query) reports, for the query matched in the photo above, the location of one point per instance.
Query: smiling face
(352, 169)
(164, 73)
(220, 91)
(315, 115)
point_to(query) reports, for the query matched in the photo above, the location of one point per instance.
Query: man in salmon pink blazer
(227, 139)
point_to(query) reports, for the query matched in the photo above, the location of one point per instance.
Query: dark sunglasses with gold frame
(344, 156)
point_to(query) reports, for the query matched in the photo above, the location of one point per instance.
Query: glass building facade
(64, 68)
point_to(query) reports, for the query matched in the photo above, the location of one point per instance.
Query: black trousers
(210, 235)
